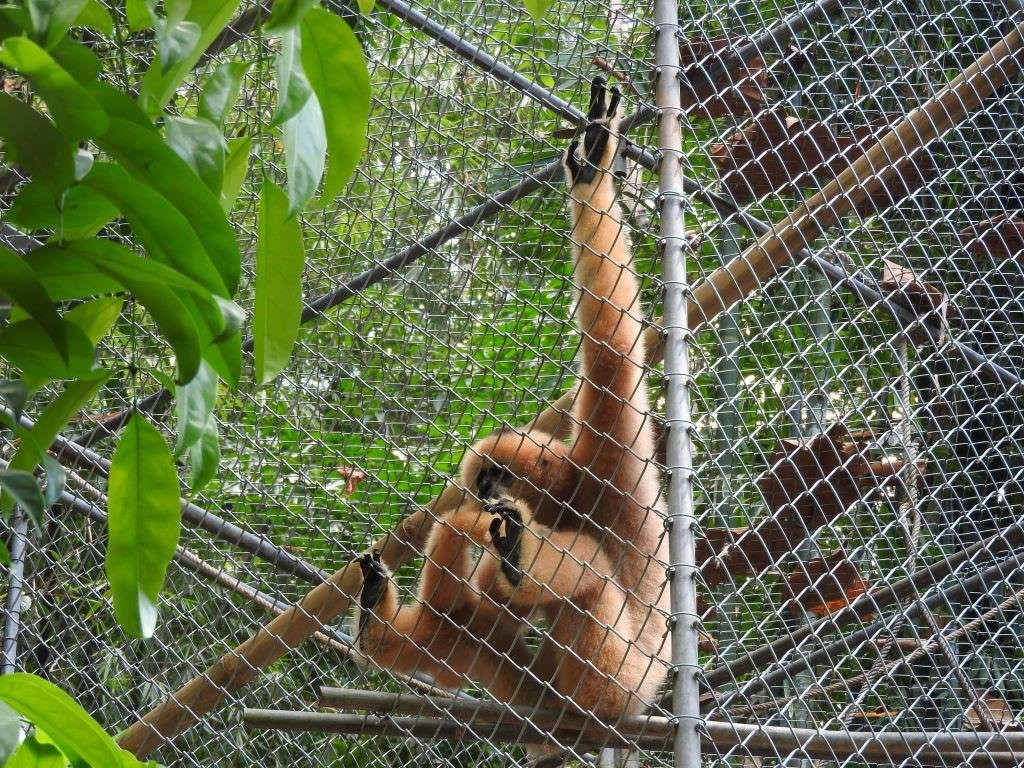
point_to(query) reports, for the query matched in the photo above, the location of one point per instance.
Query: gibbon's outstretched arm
(567, 532)
(454, 632)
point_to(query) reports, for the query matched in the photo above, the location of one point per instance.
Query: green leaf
(147, 158)
(5, 560)
(195, 402)
(175, 321)
(85, 212)
(14, 393)
(22, 487)
(220, 317)
(176, 41)
(537, 8)
(51, 18)
(35, 442)
(27, 345)
(139, 14)
(235, 170)
(10, 732)
(34, 754)
(19, 283)
(37, 145)
(204, 456)
(199, 143)
(94, 15)
(69, 726)
(221, 91)
(305, 147)
(55, 477)
(336, 68)
(144, 521)
(226, 358)
(365, 6)
(286, 14)
(162, 230)
(68, 275)
(80, 62)
(159, 84)
(293, 89)
(96, 318)
(75, 111)
(277, 307)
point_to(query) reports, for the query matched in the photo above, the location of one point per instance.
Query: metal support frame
(682, 571)
(15, 587)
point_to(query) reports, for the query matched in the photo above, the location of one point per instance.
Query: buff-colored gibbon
(570, 533)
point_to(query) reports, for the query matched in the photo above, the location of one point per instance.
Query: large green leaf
(175, 41)
(277, 307)
(95, 16)
(21, 487)
(28, 346)
(75, 111)
(34, 754)
(199, 143)
(537, 8)
(293, 89)
(195, 402)
(68, 275)
(159, 85)
(14, 394)
(220, 91)
(144, 521)
(37, 145)
(69, 726)
(80, 62)
(35, 442)
(204, 455)
(219, 316)
(336, 68)
(305, 148)
(10, 732)
(21, 285)
(147, 158)
(51, 18)
(286, 14)
(95, 317)
(235, 170)
(83, 213)
(161, 228)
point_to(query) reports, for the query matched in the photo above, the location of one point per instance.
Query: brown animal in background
(570, 532)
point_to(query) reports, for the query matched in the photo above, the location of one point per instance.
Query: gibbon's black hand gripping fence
(854, 473)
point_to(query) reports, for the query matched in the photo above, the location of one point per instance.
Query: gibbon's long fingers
(613, 104)
(595, 141)
(572, 161)
(597, 98)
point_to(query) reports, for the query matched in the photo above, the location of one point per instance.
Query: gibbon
(571, 533)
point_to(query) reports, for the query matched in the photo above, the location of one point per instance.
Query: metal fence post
(682, 570)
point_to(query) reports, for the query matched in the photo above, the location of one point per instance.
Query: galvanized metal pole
(15, 587)
(682, 569)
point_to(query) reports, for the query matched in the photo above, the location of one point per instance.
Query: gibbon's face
(492, 481)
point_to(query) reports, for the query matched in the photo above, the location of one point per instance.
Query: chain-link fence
(856, 417)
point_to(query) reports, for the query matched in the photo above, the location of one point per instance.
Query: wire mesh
(849, 469)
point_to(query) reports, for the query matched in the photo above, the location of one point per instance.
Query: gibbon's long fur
(567, 532)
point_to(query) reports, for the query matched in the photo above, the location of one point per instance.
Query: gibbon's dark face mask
(491, 481)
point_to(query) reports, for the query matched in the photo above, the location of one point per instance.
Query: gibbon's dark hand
(509, 545)
(601, 114)
(374, 582)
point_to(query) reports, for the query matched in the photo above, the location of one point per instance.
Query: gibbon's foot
(584, 169)
(509, 544)
(375, 581)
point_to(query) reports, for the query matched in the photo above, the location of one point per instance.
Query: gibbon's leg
(566, 576)
(452, 634)
(614, 441)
